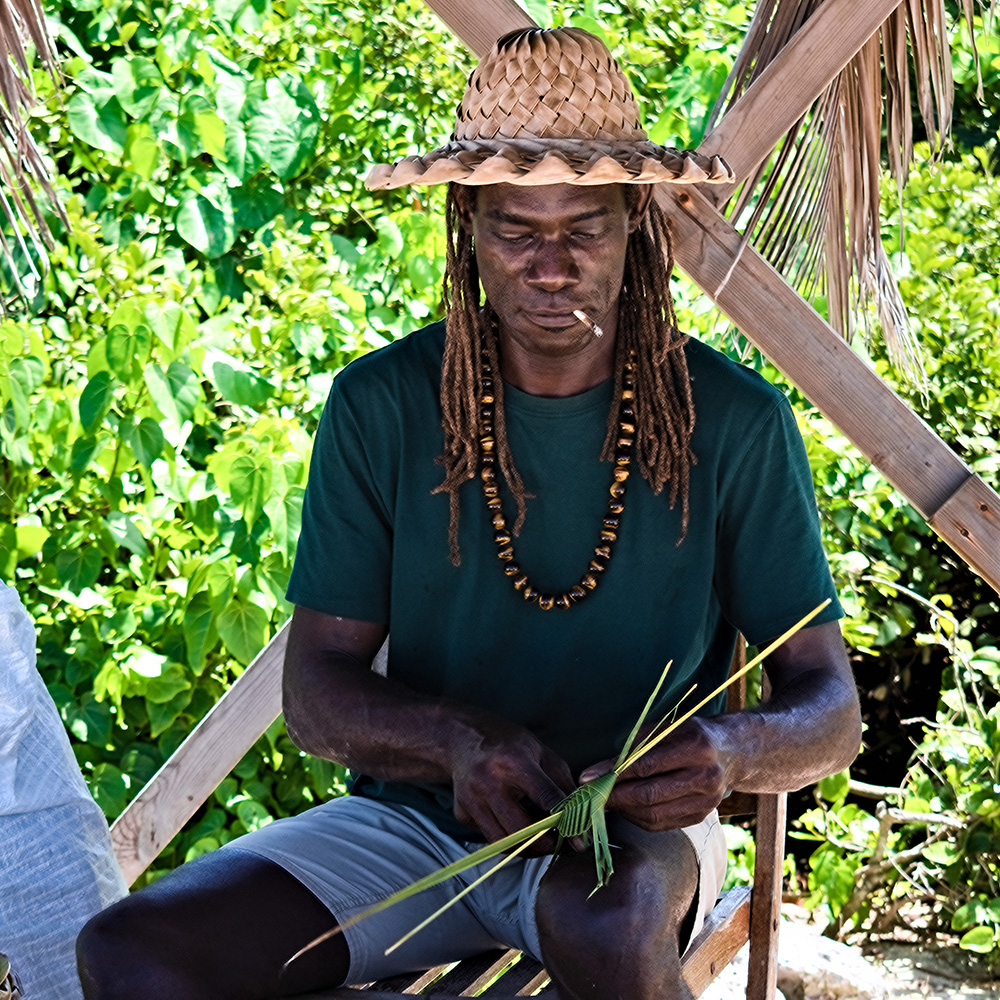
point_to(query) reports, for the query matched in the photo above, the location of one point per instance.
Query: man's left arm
(809, 727)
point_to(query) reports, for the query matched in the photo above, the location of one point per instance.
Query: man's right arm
(336, 707)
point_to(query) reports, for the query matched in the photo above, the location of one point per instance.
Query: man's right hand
(504, 778)
(337, 708)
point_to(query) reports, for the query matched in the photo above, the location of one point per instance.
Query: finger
(597, 770)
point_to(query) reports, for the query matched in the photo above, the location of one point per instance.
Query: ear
(465, 203)
(638, 205)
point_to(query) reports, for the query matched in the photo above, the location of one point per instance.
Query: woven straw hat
(549, 106)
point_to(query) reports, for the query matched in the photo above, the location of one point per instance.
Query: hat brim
(530, 161)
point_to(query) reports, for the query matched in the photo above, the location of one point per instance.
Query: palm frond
(579, 814)
(812, 209)
(25, 235)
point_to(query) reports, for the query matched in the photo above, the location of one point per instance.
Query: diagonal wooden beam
(479, 25)
(786, 89)
(959, 506)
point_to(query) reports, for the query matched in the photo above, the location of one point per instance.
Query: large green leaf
(147, 441)
(979, 939)
(127, 349)
(98, 120)
(78, 567)
(95, 400)
(243, 628)
(239, 385)
(205, 219)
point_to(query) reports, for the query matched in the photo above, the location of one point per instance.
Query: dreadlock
(647, 327)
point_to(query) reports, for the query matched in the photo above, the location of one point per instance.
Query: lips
(553, 320)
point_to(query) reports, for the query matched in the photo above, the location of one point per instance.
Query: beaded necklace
(612, 519)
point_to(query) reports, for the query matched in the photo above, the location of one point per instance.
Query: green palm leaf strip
(579, 814)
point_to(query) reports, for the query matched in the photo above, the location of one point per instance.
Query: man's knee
(121, 953)
(631, 931)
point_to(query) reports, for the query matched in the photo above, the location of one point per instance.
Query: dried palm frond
(813, 208)
(579, 815)
(22, 169)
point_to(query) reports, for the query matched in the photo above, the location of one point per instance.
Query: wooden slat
(811, 354)
(765, 907)
(818, 51)
(973, 514)
(480, 24)
(724, 932)
(197, 766)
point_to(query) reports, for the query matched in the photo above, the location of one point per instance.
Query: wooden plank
(765, 907)
(850, 393)
(724, 932)
(818, 51)
(197, 766)
(480, 24)
(972, 513)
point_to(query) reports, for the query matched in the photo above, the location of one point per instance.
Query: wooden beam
(172, 796)
(480, 24)
(817, 52)
(961, 508)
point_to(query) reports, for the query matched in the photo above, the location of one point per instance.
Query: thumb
(597, 770)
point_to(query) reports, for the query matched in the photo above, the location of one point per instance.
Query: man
(511, 676)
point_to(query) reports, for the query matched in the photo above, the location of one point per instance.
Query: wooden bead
(486, 384)
(626, 428)
(620, 473)
(603, 552)
(486, 399)
(494, 502)
(529, 593)
(546, 602)
(563, 601)
(520, 582)
(612, 522)
(506, 553)
(628, 395)
(487, 473)
(502, 537)
(577, 593)
(616, 507)
(491, 489)
(596, 566)
(512, 569)
(608, 536)
(628, 413)
(589, 582)
(622, 458)
(489, 460)
(625, 442)
(617, 491)
(487, 443)
(498, 522)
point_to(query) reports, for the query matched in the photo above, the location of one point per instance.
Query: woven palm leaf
(10, 985)
(24, 233)
(812, 209)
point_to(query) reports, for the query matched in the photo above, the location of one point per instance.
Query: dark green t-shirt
(374, 546)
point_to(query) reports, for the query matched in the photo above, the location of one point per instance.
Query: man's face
(544, 252)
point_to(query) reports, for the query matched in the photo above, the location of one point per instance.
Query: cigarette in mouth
(584, 318)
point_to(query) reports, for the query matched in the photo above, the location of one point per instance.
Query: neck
(560, 374)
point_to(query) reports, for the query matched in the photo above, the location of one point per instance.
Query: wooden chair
(252, 703)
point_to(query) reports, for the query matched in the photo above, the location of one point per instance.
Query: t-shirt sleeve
(343, 560)
(771, 569)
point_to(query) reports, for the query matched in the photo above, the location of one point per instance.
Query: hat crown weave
(559, 83)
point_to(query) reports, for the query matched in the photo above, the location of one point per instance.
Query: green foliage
(224, 262)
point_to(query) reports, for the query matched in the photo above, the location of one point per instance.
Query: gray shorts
(352, 852)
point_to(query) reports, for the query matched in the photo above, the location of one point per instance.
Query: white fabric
(57, 867)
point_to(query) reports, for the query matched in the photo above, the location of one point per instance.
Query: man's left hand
(676, 784)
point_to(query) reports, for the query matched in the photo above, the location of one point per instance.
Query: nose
(552, 266)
